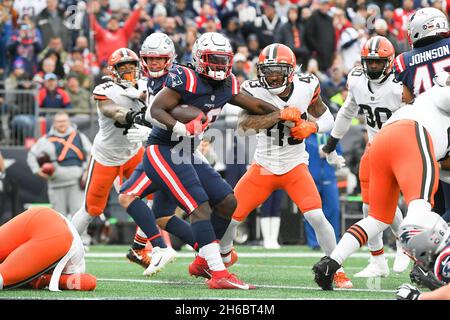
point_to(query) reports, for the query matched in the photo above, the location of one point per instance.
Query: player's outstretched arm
(112, 110)
(251, 124)
(253, 105)
(442, 293)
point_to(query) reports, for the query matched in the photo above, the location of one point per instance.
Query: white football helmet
(426, 22)
(158, 45)
(212, 56)
(423, 236)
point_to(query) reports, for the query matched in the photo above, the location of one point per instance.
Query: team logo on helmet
(409, 234)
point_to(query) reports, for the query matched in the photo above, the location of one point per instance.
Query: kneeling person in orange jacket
(40, 248)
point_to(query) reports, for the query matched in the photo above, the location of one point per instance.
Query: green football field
(278, 274)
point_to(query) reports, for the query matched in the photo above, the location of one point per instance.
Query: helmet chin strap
(157, 74)
(278, 90)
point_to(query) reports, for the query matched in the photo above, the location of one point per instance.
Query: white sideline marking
(257, 285)
(247, 255)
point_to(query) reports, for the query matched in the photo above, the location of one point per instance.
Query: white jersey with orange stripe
(111, 147)
(431, 110)
(276, 150)
(377, 101)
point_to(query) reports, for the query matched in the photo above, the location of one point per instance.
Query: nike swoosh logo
(326, 272)
(157, 264)
(240, 286)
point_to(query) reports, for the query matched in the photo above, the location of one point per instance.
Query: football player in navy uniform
(170, 161)
(428, 33)
(157, 57)
(427, 242)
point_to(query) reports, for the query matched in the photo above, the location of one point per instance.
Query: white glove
(337, 161)
(138, 133)
(407, 292)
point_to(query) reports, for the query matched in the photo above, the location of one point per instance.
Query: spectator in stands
(104, 72)
(208, 13)
(51, 23)
(67, 150)
(185, 55)
(181, 12)
(18, 79)
(8, 22)
(253, 47)
(114, 37)
(382, 29)
(233, 33)
(292, 34)
(282, 8)
(59, 66)
(83, 77)
(240, 65)
(159, 17)
(320, 35)
(349, 40)
(25, 44)
(55, 45)
(53, 96)
(89, 59)
(394, 26)
(48, 65)
(333, 84)
(79, 96)
(28, 8)
(266, 25)
(325, 178)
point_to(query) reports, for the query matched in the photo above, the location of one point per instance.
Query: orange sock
(82, 282)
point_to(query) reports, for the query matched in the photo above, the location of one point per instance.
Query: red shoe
(229, 281)
(233, 257)
(199, 268)
(342, 281)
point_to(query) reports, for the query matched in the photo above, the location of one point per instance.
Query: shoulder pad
(100, 91)
(182, 79)
(250, 85)
(399, 66)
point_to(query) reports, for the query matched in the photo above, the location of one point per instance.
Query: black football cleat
(324, 271)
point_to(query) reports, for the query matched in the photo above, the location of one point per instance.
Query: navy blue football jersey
(416, 68)
(209, 96)
(442, 265)
(154, 85)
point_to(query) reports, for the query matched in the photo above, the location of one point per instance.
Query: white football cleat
(374, 270)
(401, 261)
(160, 258)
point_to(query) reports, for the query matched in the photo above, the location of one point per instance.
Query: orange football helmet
(124, 76)
(276, 67)
(381, 49)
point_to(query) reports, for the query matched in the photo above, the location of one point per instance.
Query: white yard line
(257, 285)
(247, 255)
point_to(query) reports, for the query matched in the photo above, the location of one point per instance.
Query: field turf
(278, 274)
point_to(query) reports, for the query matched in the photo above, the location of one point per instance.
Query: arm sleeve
(344, 117)
(99, 31)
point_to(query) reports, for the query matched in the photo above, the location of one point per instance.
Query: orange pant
(257, 185)
(101, 179)
(401, 159)
(364, 175)
(31, 244)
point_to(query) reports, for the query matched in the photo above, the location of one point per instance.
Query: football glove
(290, 114)
(192, 128)
(407, 292)
(138, 133)
(303, 130)
(425, 278)
(335, 160)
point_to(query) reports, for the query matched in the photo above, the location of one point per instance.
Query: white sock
(398, 218)
(1, 282)
(350, 243)
(226, 243)
(275, 228)
(212, 255)
(81, 220)
(265, 229)
(141, 233)
(323, 229)
(376, 242)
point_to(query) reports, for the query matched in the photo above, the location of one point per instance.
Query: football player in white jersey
(405, 156)
(113, 155)
(281, 161)
(373, 90)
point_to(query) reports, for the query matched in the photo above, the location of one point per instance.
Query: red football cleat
(199, 268)
(229, 281)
